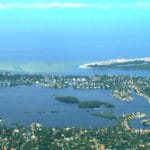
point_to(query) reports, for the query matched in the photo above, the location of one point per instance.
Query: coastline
(113, 61)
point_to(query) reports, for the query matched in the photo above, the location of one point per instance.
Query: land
(107, 105)
(94, 104)
(89, 104)
(140, 64)
(104, 115)
(120, 136)
(83, 104)
(67, 99)
(145, 122)
(35, 136)
(121, 86)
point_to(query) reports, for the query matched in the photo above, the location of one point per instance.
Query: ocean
(64, 67)
(64, 38)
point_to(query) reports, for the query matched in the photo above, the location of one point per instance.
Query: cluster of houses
(121, 87)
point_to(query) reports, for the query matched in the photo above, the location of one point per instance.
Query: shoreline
(113, 61)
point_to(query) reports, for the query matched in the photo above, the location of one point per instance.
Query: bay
(27, 104)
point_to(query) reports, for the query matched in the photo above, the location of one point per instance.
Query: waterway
(27, 104)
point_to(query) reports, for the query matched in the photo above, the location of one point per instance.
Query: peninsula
(139, 63)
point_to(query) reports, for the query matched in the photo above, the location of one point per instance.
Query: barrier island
(139, 63)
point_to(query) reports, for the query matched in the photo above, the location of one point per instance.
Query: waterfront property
(121, 136)
(122, 87)
(35, 136)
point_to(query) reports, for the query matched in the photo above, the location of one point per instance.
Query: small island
(107, 105)
(67, 99)
(95, 104)
(122, 87)
(89, 104)
(109, 116)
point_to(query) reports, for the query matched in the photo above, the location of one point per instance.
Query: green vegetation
(103, 115)
(122, 87)
(147, 91)
(67, 99)
(146, 122)
(84, 104)
(89, 104)
(138, 64)
(95, 104)
(37, 137)
(107, 105)
(119, 137)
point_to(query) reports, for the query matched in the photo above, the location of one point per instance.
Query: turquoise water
(65, 68)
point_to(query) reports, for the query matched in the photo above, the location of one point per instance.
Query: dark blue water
(16, 101)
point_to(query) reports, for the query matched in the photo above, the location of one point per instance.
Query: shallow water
(65, 68)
